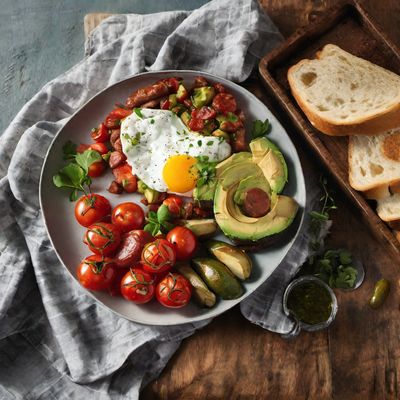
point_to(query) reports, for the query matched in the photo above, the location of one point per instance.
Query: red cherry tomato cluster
(153, 273)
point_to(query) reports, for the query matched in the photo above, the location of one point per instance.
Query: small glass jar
(301, 325)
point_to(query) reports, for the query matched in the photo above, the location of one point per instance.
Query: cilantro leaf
(260, 128)
(138, 112)
(87, 158)
(206, 170)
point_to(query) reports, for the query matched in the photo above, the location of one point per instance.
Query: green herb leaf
(138, 112)
(260, 128)
(346, 277)
(87, 158)
(69, 150)
(70, 176)
(345, 257)
(319, 215)
(152, 228)
(163, 214)
(206, 170)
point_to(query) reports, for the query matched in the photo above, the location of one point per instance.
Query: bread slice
(389, 209)
(374, 164)
(342, 94)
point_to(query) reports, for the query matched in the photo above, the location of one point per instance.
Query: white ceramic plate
(66, 234)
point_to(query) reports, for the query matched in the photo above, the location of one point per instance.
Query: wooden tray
(349, 26)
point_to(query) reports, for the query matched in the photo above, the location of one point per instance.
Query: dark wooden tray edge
(377, 226)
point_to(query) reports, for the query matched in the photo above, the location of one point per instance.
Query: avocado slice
(221, 133)
(218, 278)
(203, 96)
(202, 228)
(201, 294)
(238, 171)
(269, 158)
(238, 226)
(233, 159)
(235, 259)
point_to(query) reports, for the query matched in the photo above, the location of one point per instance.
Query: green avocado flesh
(264, 168)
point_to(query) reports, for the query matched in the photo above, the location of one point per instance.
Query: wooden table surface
(358, 356)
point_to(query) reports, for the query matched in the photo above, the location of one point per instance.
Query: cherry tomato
(224, 103)
(99, 147)
(137, 286)
(97, 168)
(158, 256)
(174, 204)
(185, 242)
(128, 216)
(174, 291)
(204, 113)
(120, 113)
(102, 238)
(123, 175)
(96, 272)
(100, 134)
(196, 124)
(91, 208)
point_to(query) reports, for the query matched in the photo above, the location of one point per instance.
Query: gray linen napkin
(55, 341)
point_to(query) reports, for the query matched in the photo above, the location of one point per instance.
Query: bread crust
(373, 125)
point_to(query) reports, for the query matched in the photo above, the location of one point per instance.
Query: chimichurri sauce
(310, 303)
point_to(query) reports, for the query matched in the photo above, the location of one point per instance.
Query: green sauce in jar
(310, 303)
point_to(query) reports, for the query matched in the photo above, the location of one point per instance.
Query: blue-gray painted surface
(40, 39)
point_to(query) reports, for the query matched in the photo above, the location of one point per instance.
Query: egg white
(150, 137)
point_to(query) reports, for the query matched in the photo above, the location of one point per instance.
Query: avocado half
(264, 168)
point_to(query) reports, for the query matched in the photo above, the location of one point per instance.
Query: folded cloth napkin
(55, 340)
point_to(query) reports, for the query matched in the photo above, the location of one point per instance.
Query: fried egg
(162, 151)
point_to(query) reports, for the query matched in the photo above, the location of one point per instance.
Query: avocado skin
(218, 278)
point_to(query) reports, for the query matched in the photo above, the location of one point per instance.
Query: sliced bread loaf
(374, 164)
(342, 94)
(388, 209)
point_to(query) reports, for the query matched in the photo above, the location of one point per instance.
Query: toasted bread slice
(374, 164)
(342, 94)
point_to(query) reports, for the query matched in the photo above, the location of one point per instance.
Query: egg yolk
(179, 173)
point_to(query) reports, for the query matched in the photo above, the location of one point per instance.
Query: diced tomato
(96, 169)
(200, 81)
(188, 103)
(82, 148)
(239, 140)
(112, 122)
(120, 113)
(100, 134)
(99, 147)
(165, 104)
(123, 175)
(174, 204)
(196, 124)
(204, 113)
(220, 88)
(173, 83)
(224, 103)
